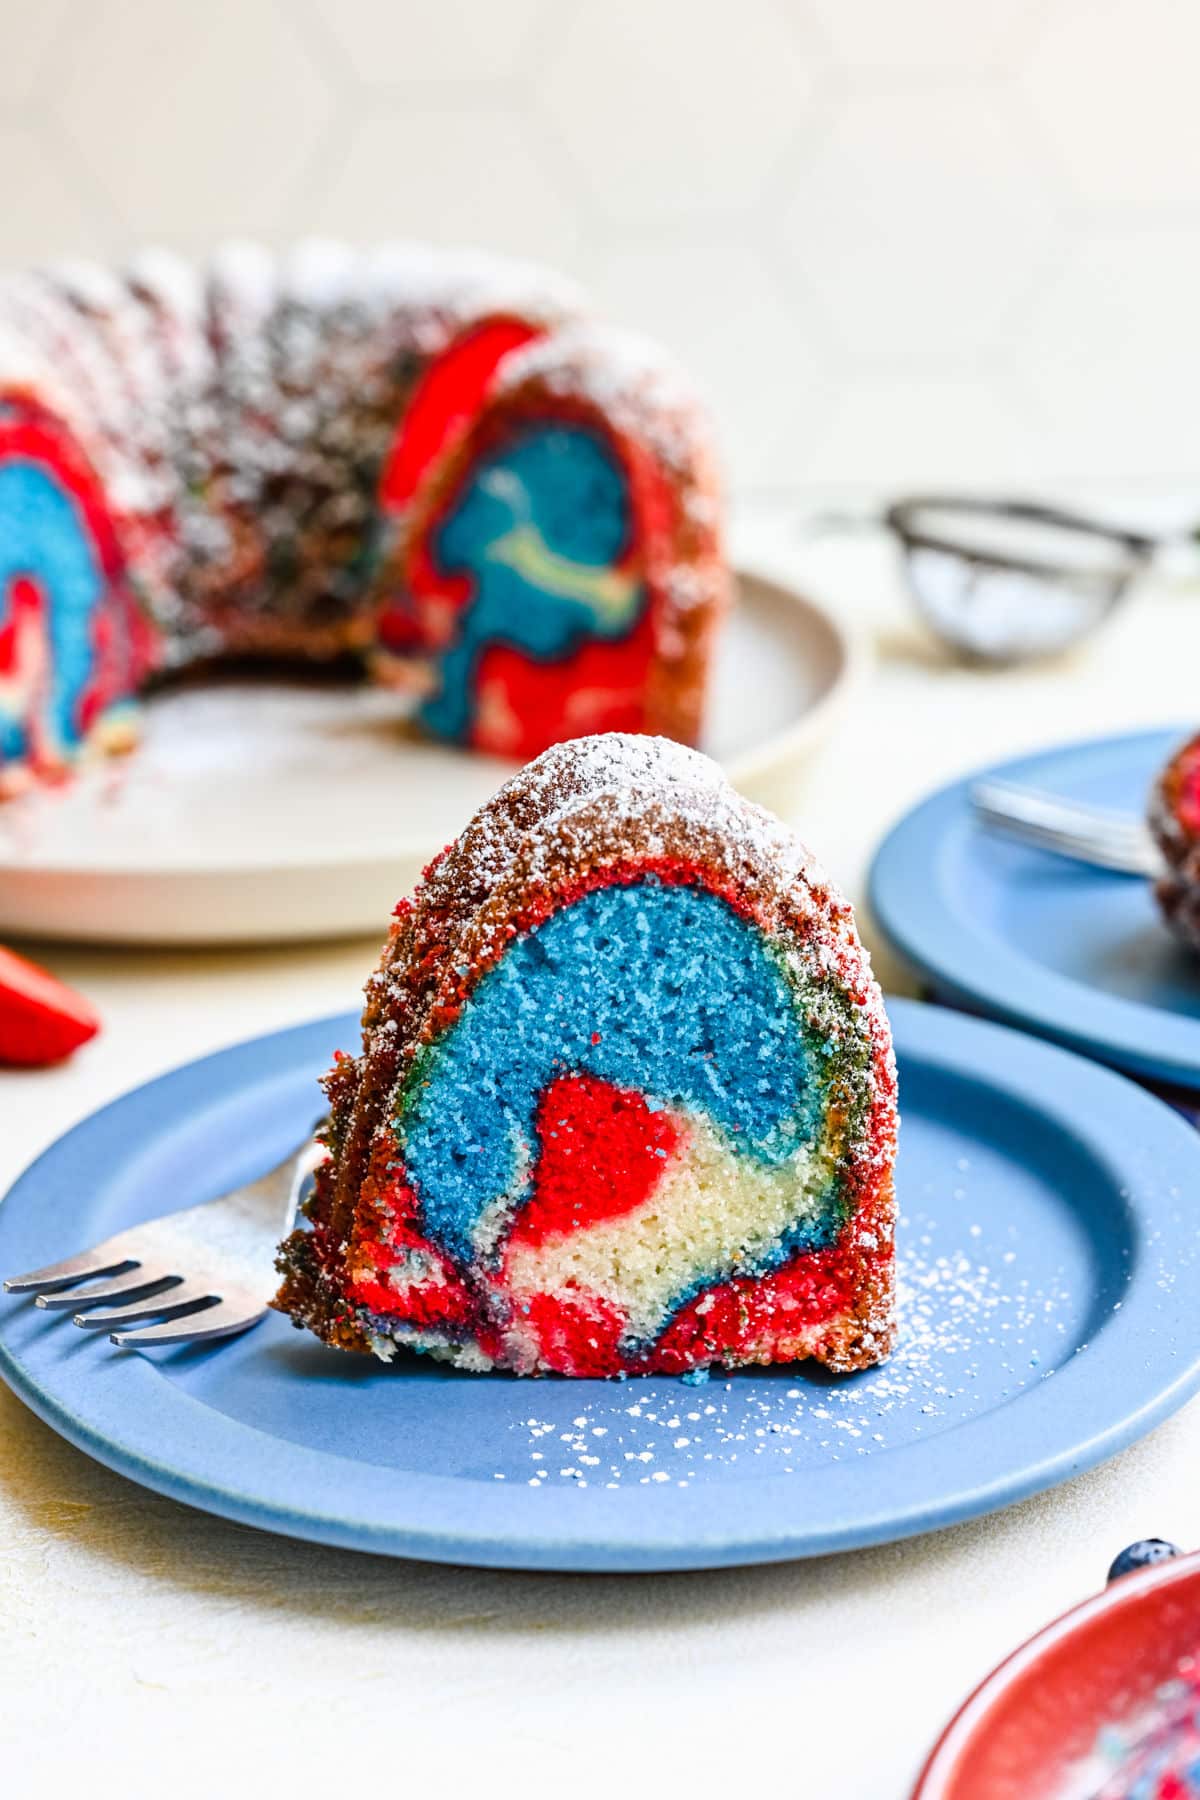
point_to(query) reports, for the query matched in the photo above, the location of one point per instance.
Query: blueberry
(1141, 1555)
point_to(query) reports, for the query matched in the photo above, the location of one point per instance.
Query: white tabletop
(136, 1633)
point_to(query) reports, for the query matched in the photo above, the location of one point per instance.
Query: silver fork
(1089, 834)
(206, 1272)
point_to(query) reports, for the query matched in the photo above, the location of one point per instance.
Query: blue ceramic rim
(968, 964)
(1142, 1366)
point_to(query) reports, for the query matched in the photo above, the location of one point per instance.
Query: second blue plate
(1047, 1320)
(1077, 954)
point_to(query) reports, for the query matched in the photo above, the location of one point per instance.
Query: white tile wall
(898, 240)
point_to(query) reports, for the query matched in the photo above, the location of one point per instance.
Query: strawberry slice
(41, 1019)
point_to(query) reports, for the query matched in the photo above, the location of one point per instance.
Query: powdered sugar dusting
(95, 403)
(627, 378)
(974, 1333)
(467, 284)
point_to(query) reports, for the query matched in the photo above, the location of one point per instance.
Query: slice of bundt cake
(626, 1097)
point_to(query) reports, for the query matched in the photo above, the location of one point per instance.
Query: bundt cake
(626, 1095)
(1174, 818)
(427, 464)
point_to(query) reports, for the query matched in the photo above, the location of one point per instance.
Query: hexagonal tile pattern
(921, 35)
(448, 174)
(1115, 88)
(675, 109)
(453, 41)
(724, 317)
(200, 121)
(1101, 359)
(45, 213)
(893, 243)
(916, 221)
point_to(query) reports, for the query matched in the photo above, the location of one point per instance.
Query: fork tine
(221, 1321)
(137, 1283)
(177, 1303)
(97, 1261)
(132, 1277)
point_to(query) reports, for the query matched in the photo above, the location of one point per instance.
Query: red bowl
(1024, 1732)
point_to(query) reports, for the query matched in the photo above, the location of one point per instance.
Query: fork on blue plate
(1097, 835)
(206, 1272)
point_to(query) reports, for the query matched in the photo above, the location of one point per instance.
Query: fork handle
(1098, 837)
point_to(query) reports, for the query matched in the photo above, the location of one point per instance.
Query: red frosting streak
(576, 1337)
(521, 705)
(26, 609)
(750, 1312)
(602, 1151)
(446, 398)
(1187, 806)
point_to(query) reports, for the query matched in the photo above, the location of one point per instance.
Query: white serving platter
(273, 811)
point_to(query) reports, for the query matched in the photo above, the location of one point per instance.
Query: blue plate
(1077, 954)
(1048, 1320)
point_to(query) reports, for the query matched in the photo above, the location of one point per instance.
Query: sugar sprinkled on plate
(957, 1313)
